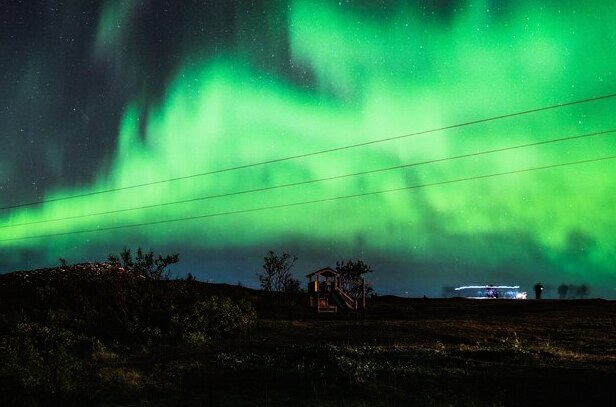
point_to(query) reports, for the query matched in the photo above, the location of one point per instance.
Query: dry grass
(428, 352)
(424, 352)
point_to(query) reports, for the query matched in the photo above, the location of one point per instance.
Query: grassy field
(417, 352)
(398, 352)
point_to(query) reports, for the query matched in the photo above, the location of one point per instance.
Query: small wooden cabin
(326, 293)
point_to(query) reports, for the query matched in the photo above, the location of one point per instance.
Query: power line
(314, 153)
(293, 184)
(315, 201)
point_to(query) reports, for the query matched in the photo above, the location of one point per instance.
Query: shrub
(145, 264)
(276, 274)
(43, 360)
(215, 318)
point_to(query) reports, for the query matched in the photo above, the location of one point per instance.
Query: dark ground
(398, 352)
(426, 352)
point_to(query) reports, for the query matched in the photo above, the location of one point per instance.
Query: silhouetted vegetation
(145, 264)
(573, 291)
(103, 334)
(56, 324)
(351, 274)
(582, 291)
(276, 274)
(563, 289)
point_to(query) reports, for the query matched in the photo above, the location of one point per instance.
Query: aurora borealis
(99, 95)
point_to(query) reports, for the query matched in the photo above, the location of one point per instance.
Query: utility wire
(313, 181)
(314, 153)
(315, 201)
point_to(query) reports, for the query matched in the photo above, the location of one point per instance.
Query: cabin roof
(326, 272)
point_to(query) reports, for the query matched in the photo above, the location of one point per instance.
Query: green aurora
(368, 73)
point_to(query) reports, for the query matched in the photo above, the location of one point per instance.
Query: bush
(214, 318)
(276, 274)
(145, 264)
(44, 361)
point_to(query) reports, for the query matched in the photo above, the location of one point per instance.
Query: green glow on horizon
(377, 78)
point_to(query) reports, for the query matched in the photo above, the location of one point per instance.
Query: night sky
(100, 95)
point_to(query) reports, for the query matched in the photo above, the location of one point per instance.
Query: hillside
(97, 334)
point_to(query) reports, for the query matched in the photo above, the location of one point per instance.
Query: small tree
(351, 274)
(145, 263)
(563, 289)
(276, 274)
(582, 291)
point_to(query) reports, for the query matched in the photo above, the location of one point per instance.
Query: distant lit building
(491, 291)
